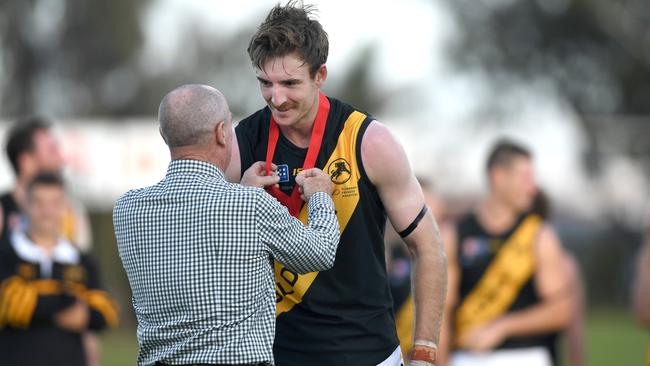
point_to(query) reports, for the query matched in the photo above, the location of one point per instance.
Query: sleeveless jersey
(342, 316)
(477, 250)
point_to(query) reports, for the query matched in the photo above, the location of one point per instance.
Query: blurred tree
(69, 57)
(593, 53)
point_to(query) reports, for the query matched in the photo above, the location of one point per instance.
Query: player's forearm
(547, 316)
(429, 280)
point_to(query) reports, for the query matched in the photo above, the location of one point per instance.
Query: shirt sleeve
(300, 248)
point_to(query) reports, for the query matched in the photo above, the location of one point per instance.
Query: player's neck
(300, 132)
(46, 241)
(495, 214)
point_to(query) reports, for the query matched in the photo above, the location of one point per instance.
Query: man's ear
(162, 134)
(220, 133)
(321, 75)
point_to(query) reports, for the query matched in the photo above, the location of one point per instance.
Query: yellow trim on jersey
(512, 267)
(17, 302)
(101, 301)
(342, 166)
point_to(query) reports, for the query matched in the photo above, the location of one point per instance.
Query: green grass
(119, 347)
(613, 339)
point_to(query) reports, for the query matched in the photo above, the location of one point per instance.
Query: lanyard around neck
(294, 202)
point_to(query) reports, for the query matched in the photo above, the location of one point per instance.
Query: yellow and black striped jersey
(343, 316)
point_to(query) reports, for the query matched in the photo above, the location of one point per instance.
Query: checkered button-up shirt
(197, 251)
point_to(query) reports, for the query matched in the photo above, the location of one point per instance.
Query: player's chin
(284, 118)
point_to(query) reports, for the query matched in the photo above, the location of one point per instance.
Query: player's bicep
(388, 168)
(552, 273)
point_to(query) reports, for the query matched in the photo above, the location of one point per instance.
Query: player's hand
(255, 176)
(313, 180)
(484, 338)
(74, 318)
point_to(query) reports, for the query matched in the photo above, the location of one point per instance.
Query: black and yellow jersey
(33, 289)
(482, 254)
(343, 316)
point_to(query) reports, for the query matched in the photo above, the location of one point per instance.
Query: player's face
(289, 90)
(47, 152)
(46, 209)
(518, 185)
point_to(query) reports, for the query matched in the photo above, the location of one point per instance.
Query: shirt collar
(64, 252)
(183, 167)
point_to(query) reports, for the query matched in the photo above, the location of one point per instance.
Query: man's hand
(255, 176)
(484, 338)
(313, 180)
(73, 318)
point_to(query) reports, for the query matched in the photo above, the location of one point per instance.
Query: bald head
(189, 114)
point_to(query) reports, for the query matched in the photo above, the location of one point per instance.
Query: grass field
(612, 340)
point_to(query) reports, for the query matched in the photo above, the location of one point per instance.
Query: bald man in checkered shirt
(198, 250)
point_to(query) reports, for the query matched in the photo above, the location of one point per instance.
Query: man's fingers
(268, 180)
(309, 173)
(300, 179)
(259, 167)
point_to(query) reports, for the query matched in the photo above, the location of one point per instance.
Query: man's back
(223, 260)
(197, 251)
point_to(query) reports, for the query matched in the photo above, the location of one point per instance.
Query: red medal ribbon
(294, 202)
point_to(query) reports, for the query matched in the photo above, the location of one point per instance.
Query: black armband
(406, 232)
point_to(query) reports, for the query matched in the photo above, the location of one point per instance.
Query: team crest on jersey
(339, 171)
(283, 173)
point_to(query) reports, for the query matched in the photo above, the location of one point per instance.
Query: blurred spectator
(507, 270)
(574, 337)
(642, 287)
(50, 293)
(32, 148)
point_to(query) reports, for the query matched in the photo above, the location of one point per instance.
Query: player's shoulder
(344, 109)
(254, 121)
(379, 141)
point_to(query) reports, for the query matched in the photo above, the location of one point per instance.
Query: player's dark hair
(541, 205)
(20, 138)
(288, 29)
(504, 152)
(45, 179)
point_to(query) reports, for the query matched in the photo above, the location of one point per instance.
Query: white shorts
(536, 356)
(395, 359)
